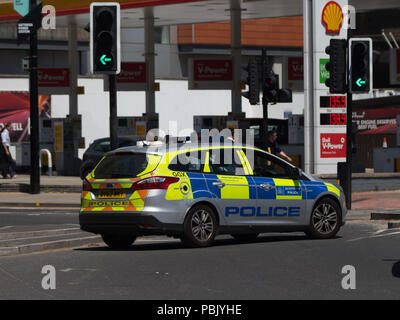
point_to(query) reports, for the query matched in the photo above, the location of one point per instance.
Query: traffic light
(337, 66)
(360, 64)
(271, 87)
(105, 38)
(272, 92)
(253, 81)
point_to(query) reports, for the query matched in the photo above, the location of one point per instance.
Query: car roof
(162, 149)
(131, 138)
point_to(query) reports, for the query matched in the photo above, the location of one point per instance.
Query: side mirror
(295, 173)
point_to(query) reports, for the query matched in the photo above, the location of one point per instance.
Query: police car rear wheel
(245, 237)
(200, 227)
(118, 241)
(325, 220)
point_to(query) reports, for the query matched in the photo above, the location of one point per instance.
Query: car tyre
(325, 220)
(200, 227)
(118, 241)
(246, 237)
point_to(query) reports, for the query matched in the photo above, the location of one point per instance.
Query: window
(103, 146)
(264, 165)
(189, 161)
(225, 161)
(121, 165)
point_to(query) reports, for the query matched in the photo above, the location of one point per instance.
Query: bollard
(46, 152)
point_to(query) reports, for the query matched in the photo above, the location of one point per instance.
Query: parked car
(195, 192)
(98, 148)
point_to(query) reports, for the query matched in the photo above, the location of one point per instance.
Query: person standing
(273, 146)
(8, 164)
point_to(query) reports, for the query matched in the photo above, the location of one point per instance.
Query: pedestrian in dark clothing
(7, 162)
(273, 146)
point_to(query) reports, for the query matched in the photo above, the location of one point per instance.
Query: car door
(229, 181)
(280, 199)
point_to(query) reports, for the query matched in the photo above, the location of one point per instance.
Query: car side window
(103, 146)
(264, 165)
(189, 161)
(225, 161)
(126, 143)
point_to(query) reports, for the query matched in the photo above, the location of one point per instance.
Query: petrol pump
(67, 140)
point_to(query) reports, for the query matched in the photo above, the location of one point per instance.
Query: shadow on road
(173, 244)
(395, 267)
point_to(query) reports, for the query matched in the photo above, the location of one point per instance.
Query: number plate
(112, 195)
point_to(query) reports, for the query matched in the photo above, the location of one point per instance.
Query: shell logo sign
(332, 17)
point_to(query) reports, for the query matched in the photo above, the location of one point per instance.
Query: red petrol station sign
(295, 68)
(333, 145)
(132, 72)
(212, 70)
(53, 80)
(210, 74)
(132, 77)
(53, 77)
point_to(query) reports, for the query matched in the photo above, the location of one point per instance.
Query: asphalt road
(275, 266)
(37, 217)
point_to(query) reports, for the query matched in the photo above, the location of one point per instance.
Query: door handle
(218, 184)
(266, 186)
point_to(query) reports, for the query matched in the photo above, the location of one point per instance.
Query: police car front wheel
(324, 220)
(200, 227)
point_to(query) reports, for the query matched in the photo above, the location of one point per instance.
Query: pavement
(61, 196)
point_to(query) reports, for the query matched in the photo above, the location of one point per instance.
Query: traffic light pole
(264, 63)
(349, 151)
(349, 120)
(34, 112)
(113, 111)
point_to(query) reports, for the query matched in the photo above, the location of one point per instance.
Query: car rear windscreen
(121, 165)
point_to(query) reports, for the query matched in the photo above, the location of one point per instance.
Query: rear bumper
(113, 222)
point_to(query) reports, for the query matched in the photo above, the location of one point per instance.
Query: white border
(92, 5)
(371, 74)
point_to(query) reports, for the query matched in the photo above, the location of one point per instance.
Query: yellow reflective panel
(288, 189)
(153, 161)
(236, 187)
(245, 169)
(207, 162)
(333, 189)
(180, 190)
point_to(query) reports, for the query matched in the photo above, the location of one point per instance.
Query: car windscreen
(121, 165)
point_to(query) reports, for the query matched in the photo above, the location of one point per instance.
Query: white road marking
(375, 236)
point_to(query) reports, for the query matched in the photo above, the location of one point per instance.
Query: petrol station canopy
(176, 12)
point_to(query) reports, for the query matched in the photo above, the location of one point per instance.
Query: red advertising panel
(15, 108)
(53, 77)
(212, 70)
(132, 72)
(295, 68)
(333, 145)
(369, 120)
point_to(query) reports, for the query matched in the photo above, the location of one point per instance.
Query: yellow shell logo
(332, 17)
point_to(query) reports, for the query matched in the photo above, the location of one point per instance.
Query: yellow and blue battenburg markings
(193, 185)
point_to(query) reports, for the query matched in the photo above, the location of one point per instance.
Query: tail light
(154, 183)
(86, 186)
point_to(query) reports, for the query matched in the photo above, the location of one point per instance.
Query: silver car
(197, 191)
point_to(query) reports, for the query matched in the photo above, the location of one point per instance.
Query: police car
(195, 192)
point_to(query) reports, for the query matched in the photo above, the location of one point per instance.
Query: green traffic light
(104, 59)
(360, 82)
